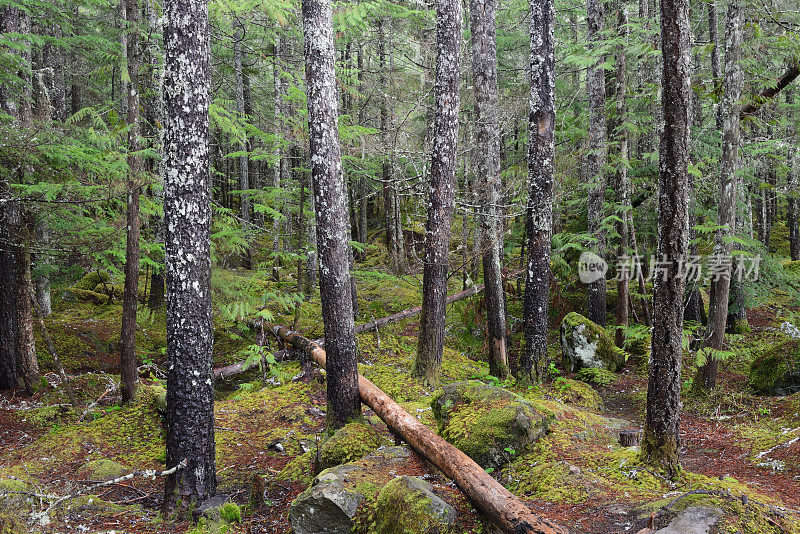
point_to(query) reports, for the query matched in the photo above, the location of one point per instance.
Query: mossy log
(487, 494)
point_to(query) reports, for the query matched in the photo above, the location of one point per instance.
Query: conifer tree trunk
(280, 171)
(731, 140)
(487, 168)
(539, 213)
(245, 206)
(661, 433)
(333, 223)
(9, 222)
(792, 192)
(394, 235)
(623, 183)
(128, 369)
(187, 239)
(442, 185)
(596, 155)
(716, 68)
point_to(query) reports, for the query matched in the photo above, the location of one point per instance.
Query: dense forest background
(560, 145)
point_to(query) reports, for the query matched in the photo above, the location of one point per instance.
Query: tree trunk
(333, 232)
(394, 242)
(720, 288)
(792, 193)
(539, 212)
(187, 239)
(487, 168)
(596, 155)
(716, 68)
(9, 222)
(26, 348)
(620, 132)
(128, 369)
(661, 435)
(442, 185)
(245, 204)
(498, 504)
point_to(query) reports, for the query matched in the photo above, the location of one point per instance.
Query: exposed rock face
(693, 520)
(330, 504)
(408, 504)
(491, 425)
(587, 344)
(777, 370)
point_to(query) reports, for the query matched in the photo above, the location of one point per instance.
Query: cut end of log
(630, 437)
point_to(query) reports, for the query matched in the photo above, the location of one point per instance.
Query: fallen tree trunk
(487, 494)
(240, 367)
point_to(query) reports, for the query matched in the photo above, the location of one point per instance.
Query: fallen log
(786, 78)
(487, 494)
(240, 367)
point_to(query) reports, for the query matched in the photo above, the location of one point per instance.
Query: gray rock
(693, 520)
(408, 504)
(587, 344)
(210, 508)
(330, 504)
(501, 425)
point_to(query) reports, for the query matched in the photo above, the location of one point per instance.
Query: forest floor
(734, 443)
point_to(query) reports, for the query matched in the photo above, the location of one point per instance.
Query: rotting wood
(487, 494)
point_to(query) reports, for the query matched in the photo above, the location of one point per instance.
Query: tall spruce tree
(661, 433)
(187, 241)
(332, 215)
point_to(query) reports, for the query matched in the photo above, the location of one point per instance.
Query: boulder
(693, 520)
(777, 370)
(408, 504)
(587, 344)
(330, 504)
(489, 424)
(349, 443)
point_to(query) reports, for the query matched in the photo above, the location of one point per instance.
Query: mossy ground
(271, 426)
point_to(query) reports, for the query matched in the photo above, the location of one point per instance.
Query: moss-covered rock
(351, 442)
(91, 280)
(587, 344)
(104, 469)
(408, 505)
(335, 495)
(87, 295)
(777, 370)
(489, 424)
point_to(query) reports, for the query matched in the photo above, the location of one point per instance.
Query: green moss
(299, 469)
(489, 424)
(401, 508)
(577, 330)
(577, 393)
(662, 455)
(596, 375)
(91, 280)
(231, 513)
(768, 370)
(351, 442)
(104, 469)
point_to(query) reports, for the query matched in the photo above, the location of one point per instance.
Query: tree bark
(129, 377)
(333, 223)
(187, 238)
(487, 167)
(793, 220)
(661, 434)
(442, 185)
(596, 155)
(539, 213)
(720, 288)
(500, 505)
(620, 132)
(394, 238)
